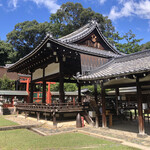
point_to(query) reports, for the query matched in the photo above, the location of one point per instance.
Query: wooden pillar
(79, 92)
(95, 92)
(104, 121)
(117, 95)
(49, 100)
(140, 110)
(44, 88)
(31, 92)
(61, 82)
(96, 100)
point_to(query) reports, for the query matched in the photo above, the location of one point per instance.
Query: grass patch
(23, 139)
(4, 122)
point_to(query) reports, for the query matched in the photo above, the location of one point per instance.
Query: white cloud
(131, 8)
(1, 5)
(102, 1)
(50, 4)
(13, 3)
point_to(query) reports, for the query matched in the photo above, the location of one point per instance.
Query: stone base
(142, 135)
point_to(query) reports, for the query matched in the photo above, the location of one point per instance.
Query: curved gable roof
(84, 32)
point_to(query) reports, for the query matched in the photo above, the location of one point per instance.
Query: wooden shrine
(84, 57)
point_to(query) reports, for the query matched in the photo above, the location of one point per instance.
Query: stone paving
(22, 121)
(47, 128)
(127, 136)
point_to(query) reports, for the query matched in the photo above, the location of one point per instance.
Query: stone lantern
(15, 100)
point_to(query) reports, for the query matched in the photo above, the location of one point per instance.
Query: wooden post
(104, 121)
(97, 112)
(25, 114)
(79, 92)
(54, 120)
(61, 82)
(17, 113)
(140, 110)
(38, 116)
(117, 94)
(44, 88)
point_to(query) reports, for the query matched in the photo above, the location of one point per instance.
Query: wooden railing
(54, 107)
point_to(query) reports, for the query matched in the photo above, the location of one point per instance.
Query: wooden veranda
(125, 71)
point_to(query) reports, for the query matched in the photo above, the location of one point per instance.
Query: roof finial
(49, 34)
(93, 21)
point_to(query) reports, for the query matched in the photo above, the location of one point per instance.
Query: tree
(7, 54)
(71, 16)
(26, 36)
(68, 87)
(131, 44)
(146, 46)
(7, 84)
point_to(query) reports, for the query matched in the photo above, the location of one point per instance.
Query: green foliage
(55, 87)
(72, 16)
(7, 84)
(146, 46)
(68, 87)
(7, 53)
(131, 45)
(26, 36)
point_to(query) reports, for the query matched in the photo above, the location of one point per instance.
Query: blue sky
(125, 14)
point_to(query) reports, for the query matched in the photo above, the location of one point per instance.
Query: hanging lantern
(64, 58)
(56, 59)
(54, 53)
(48, 45)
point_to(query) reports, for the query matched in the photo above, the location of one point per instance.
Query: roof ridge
(74, 31)
(132, 56)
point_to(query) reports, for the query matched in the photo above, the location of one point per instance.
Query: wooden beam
(104, 121)
(140, 110)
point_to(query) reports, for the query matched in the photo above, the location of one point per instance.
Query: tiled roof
(120, 66)
(80, 33)
(96, 51)
(13, 93)
(73, 47)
